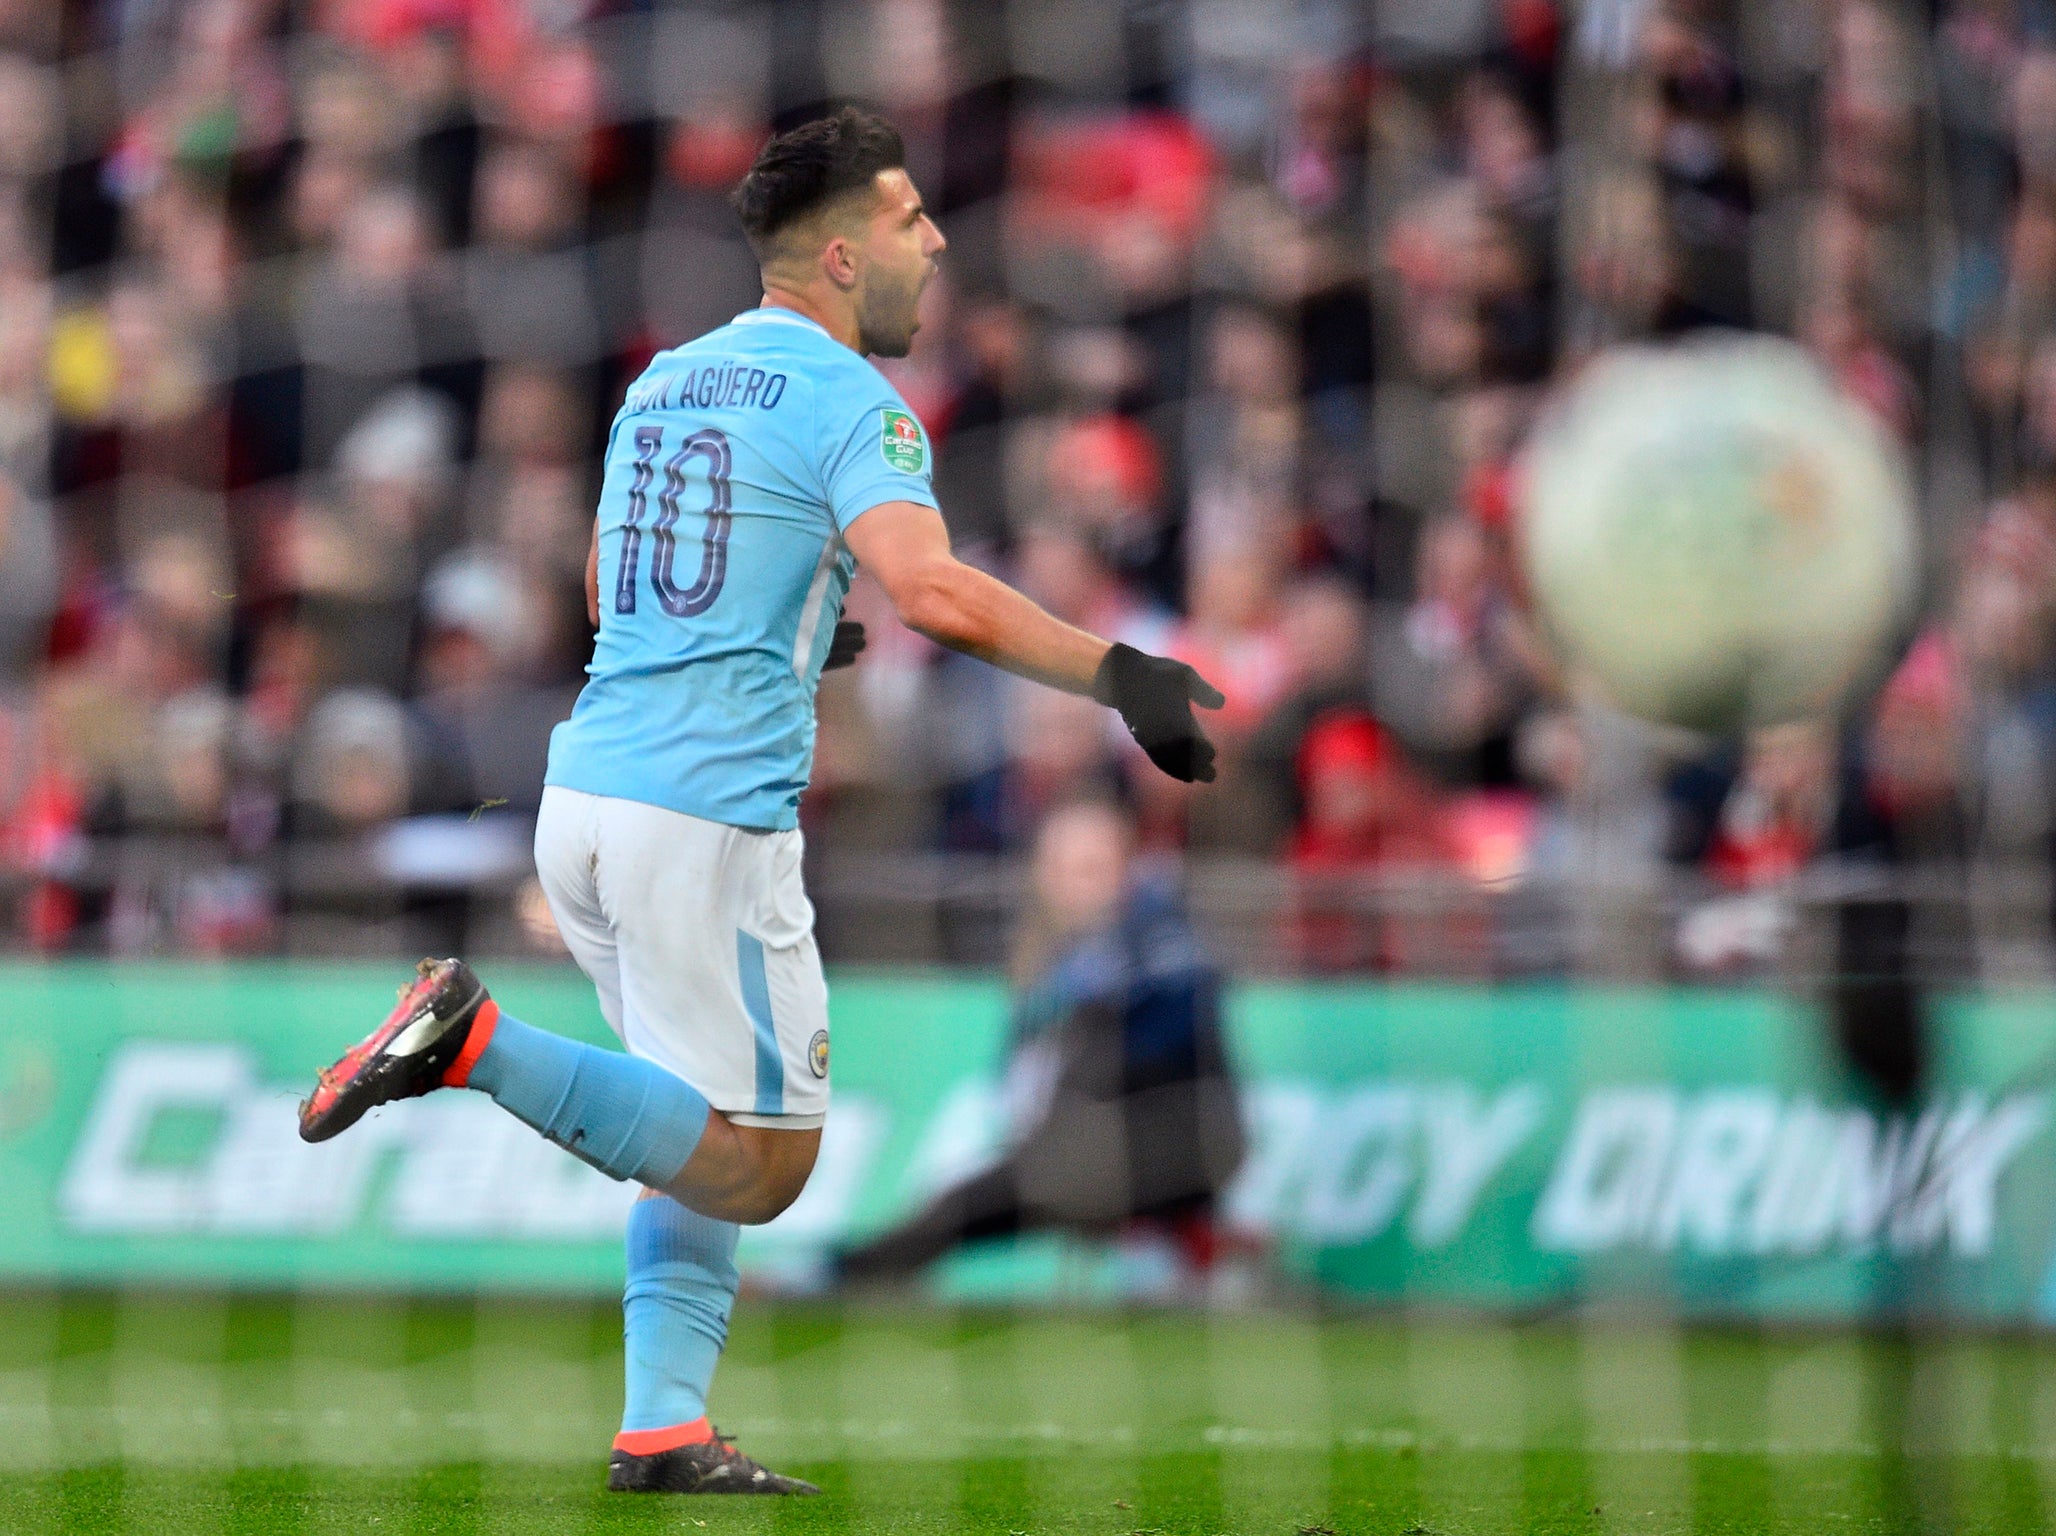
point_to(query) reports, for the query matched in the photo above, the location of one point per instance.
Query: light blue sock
(681, 1286)
(629, 1118)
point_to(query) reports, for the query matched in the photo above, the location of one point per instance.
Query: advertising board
(1508, 1148)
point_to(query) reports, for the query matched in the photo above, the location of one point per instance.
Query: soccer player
(747, 474)
(1118, 1084)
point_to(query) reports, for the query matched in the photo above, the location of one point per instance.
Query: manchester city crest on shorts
(905, 449)
(817, 1053)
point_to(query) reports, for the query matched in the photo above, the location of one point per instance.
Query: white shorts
(701, 943)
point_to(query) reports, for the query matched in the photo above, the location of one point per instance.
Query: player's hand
(843, 649)
(1155, 696)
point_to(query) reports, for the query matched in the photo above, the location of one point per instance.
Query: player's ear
(839, 262)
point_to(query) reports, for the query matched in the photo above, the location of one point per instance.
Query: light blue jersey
(733, 467)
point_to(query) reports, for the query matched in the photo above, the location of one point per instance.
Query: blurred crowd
(313, 315)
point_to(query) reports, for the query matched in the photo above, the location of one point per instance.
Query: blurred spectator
(1244, 433)
(529, 282)
(28, 584)
(1061, 566)
(1104, 475)
(1750, 836)
(1325, 634)
(376, 316)
(353, 768)
(995, 341)
(1771, 822)
(356, 557)
(487, 729)
(1364, 813)
(1449, 670)
(1689, 128)
(1232, 633)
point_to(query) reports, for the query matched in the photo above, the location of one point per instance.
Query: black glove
(1155, 696)
(842, 650)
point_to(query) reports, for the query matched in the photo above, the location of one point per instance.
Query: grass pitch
(206, 1416)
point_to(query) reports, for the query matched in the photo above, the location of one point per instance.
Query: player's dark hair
(813, 164)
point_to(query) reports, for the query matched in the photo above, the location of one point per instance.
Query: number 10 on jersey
(699, 597)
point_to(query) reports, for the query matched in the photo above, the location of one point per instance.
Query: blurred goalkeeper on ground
(747, 474)
(1119, 1094)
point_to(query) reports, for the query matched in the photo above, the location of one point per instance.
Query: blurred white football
(1715, 535)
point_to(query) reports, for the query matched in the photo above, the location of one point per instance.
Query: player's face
(1081, 866)
(900, 249)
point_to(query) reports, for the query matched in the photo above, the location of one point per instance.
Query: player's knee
(784, 1161)
(769, 1192)
(767, 1201)
(749, 1174)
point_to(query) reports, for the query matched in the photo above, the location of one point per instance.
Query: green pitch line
(211, 1416)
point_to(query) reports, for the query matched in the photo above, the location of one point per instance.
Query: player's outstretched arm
(906, 547)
